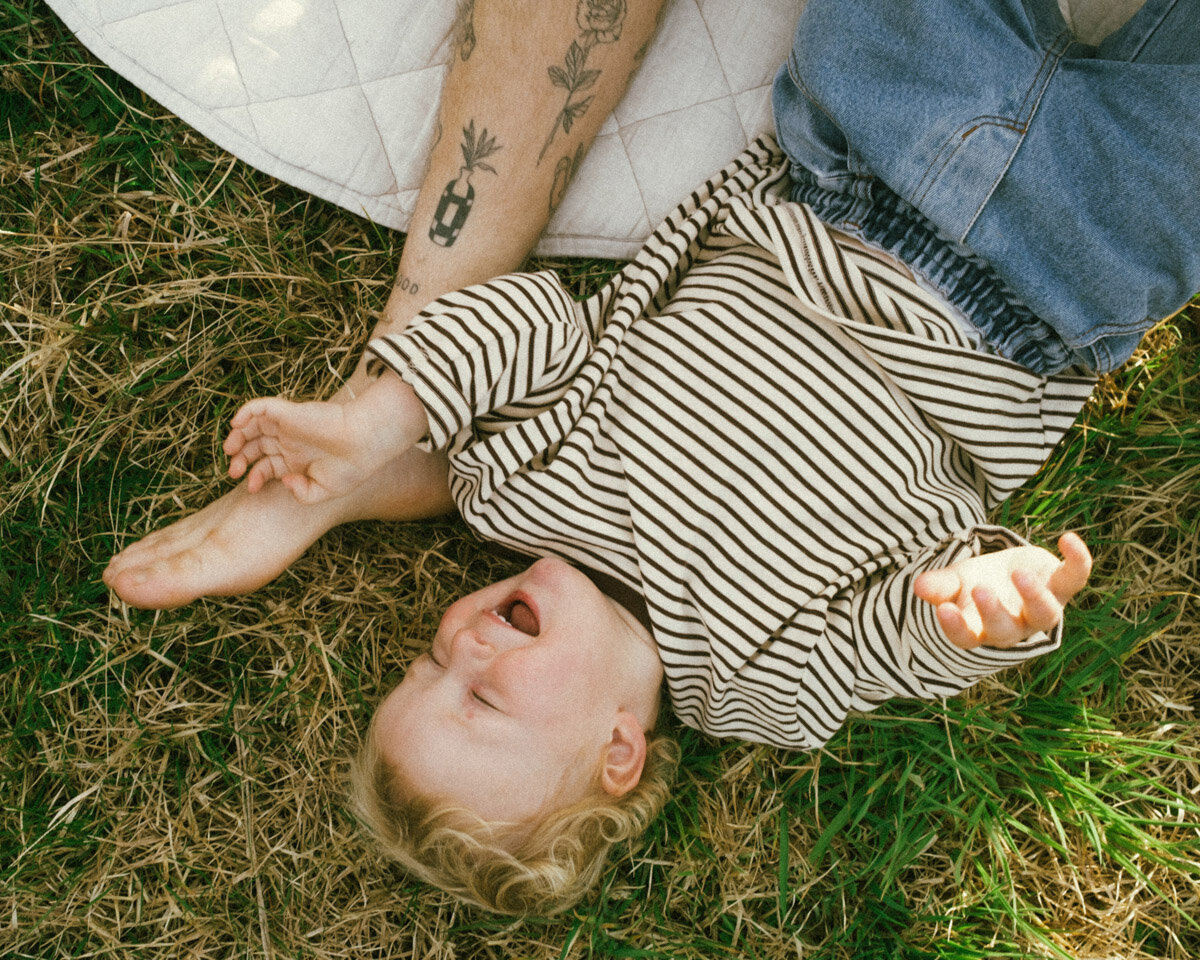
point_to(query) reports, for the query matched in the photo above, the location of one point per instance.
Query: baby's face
(516, 701)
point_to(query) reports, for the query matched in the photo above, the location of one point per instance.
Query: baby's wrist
(394, 413)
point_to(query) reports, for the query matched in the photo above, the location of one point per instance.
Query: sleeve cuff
(447, 410)
(971, 665)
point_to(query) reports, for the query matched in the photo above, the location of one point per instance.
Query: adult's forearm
(530, 84)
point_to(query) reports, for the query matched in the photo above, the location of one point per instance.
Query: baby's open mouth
(517, 613)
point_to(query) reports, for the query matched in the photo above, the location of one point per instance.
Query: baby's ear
(623, 756)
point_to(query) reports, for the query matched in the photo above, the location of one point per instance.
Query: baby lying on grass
(757, 464)
(751, 509)
(771, 508)
(503, 756)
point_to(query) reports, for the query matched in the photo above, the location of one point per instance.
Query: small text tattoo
(459, 196)
(564, 173)
(407, 284)
(464, 29)
(599, 21)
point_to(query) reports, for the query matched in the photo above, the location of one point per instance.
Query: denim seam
(1019, 124)
(1051, 61)
(929, 178)
(794, 72)
(950, 148)
(1149, 34)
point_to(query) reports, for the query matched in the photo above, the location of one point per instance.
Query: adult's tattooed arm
(486, 197)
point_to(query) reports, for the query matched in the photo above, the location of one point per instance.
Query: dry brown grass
(173, 783)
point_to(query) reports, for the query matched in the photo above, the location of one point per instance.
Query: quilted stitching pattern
(338, 97)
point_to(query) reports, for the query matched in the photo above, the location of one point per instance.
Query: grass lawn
(172, 784)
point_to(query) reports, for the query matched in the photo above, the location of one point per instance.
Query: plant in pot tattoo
(459, 196)
(600, 21)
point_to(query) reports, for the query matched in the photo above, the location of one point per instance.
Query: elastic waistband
(876, 214)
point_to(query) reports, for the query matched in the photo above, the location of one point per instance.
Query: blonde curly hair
(532, 868)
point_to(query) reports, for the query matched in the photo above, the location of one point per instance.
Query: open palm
(999, 599)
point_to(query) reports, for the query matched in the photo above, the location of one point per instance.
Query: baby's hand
(999, 599)
(323, 450)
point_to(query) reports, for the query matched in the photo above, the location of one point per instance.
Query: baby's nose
(469, 646)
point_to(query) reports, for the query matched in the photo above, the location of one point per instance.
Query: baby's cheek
(385, 720)
(544, 682)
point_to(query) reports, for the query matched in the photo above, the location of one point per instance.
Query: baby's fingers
(256, 419)
(238, 465)
(938, 586)
(1070, 576)
(954, 625)
(244, 431)
(239, 436)
(305, 489)
(249, 453)
(1042, 609)
(252, 410)
(266, 469)
(235, 448)
(999, 626)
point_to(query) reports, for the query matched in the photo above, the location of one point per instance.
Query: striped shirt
(762, 427)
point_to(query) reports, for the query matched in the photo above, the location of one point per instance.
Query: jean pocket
(964, 172)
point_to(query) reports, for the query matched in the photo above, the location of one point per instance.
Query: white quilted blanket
(338, 97)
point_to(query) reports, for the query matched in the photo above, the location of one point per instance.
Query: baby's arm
(955, 613)
(1000, 599)
(324, 450)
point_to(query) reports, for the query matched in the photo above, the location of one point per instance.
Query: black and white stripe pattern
(761, 426)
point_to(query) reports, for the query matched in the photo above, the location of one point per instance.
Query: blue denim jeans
(1050, 190)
